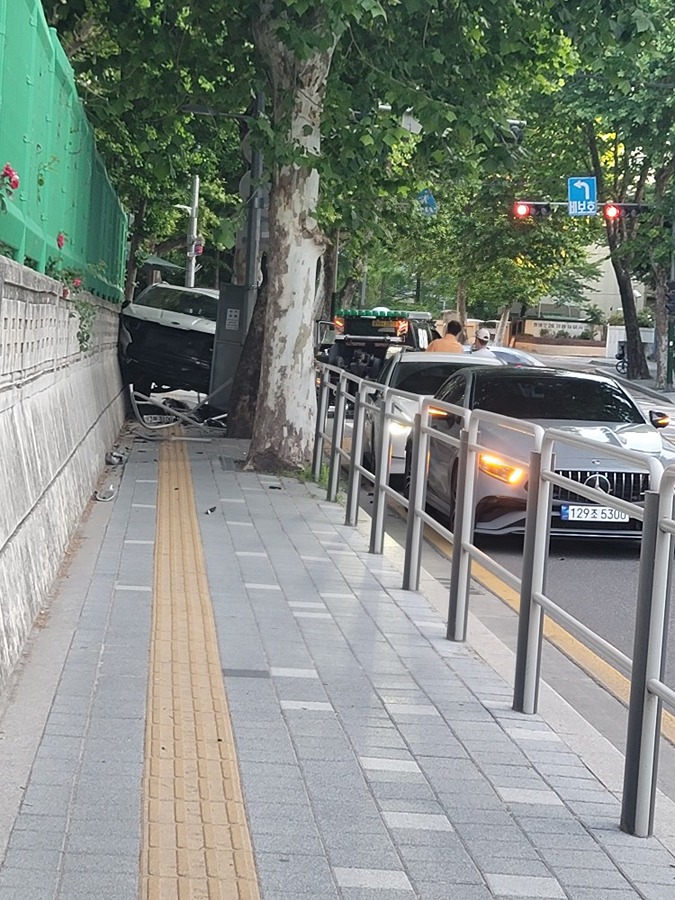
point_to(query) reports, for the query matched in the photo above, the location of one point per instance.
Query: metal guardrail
(648, 691)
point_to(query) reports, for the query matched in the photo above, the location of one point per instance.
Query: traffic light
(523, 209)
(614, 211)
(670, 298)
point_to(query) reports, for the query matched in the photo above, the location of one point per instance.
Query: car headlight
(398, 429)
(499, 468)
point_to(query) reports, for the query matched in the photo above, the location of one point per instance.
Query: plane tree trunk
(283, 431)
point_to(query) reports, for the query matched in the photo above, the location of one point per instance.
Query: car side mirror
(659, 419)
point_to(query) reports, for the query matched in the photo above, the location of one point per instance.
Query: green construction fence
(46, 138)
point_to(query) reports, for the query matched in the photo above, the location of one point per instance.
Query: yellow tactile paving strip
(196, 844)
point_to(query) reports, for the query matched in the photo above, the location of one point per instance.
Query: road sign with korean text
(582, 196)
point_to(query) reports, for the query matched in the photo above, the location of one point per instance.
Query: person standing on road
(449, 343)
(480, 344)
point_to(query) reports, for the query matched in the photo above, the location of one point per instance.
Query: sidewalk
(231, 698)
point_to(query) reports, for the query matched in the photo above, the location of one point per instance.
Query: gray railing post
(460, 571)
(530, 642)
(321, 412)
(526, 603)
(416, 497)
(381, 477)
(644, 710)
(338, 431)
(355, 459)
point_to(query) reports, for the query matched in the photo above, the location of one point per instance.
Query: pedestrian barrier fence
(341, 394)
(63, 217)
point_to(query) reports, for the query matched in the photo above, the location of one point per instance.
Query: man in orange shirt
(449, 343)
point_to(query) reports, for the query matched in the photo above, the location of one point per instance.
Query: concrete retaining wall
(61, 410)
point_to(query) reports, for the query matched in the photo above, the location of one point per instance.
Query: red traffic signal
(613, 211)
(523, 209)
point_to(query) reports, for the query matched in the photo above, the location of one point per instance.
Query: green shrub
(594, 315)
(562, 333)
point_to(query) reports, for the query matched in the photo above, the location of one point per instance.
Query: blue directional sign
(428, 202)
(582, 196)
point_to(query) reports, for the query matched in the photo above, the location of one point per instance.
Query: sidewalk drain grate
(246, 673)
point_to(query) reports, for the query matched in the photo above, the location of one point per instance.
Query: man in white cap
(480, 344)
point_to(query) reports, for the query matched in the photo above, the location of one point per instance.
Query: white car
(584, 405)
(416, 373)
(166, 338)
(512, 356)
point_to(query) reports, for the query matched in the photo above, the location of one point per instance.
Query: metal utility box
(231, 327)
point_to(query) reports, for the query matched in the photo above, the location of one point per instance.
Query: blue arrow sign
(428, 202)
(582, 196)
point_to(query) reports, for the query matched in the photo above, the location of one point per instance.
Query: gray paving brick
(36, 840)
(524, 886)
(435, 891)
(46, 799)
(108, 863)
(601, 894)
(590, 877)
(280, 816)
(42, 860)
(364, 857)
(289, 840)
(302, 874)
(374, 894)
(27, 884)
(101, 885)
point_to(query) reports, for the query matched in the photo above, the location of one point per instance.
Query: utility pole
(192, 236)
(253, 222)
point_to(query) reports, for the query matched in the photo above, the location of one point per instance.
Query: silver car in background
(591, 406)
(415, 373)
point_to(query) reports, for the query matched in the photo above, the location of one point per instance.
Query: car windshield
(422, 377)
(189, 303)
(554, 397)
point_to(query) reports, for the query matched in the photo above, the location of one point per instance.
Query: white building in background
(602, 291)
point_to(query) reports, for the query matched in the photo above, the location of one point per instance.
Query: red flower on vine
(60, 240)
(9, 182)
(77, 282)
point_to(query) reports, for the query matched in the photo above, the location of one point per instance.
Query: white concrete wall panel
(61, 410)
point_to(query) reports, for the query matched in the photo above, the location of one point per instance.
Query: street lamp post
(192, 235)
